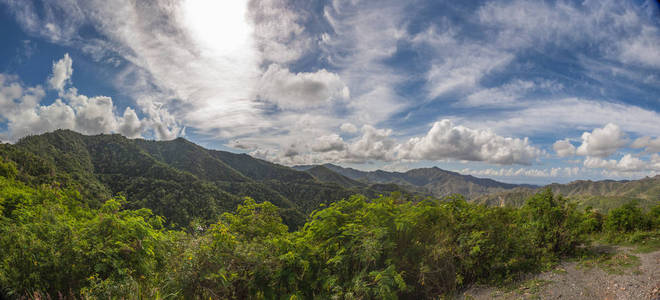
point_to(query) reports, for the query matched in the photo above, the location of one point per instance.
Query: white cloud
(358, 44)
(374, 144)
(62, 71)
(326, 143)
(194, 61)
(602, 142)
(649, 144)
(643, 48)
(499, 96)
(444, 141)
(279, 36)
(348, 128)
(564, 148)
(627, 163)
(22, 109)
(130, 125)
(447, 141)
(523, 172)
(458, 64)
(556, 115)
(621, 30)
(301, 90)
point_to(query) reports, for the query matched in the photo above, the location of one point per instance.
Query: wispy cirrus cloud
(491, 82)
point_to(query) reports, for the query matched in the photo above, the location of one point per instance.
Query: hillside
(604, 194)
(324, 174)
(177, 179)
(434, 181)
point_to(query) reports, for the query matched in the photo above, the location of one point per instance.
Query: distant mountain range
(434, 181)
(187, 183)
(603, 194)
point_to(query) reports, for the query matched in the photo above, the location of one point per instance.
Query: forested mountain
(176, 179)
(604, 194)
(324, 174)
(80, 217)
(427, 181)
(185, 182)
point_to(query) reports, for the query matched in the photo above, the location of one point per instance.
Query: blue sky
(519, 91)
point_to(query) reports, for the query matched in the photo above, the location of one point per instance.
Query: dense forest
(176, 179)
(108, 217)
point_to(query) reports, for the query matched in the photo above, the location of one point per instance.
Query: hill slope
(324, 174)
(429, 181)
(177, 179)
(604, 194)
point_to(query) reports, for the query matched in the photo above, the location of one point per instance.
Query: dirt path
(618, 273)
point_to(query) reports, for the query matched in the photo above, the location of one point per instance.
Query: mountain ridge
(431, 181)
(177, 179)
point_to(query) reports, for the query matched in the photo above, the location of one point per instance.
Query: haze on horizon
(519, 91)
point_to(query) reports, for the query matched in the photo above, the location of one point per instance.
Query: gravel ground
(580, 280)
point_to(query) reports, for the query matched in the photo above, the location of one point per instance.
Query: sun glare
(219, 26)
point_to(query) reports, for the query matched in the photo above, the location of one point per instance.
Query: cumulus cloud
(62, 71)
(374, 144)
(326, 143)
(130, 125)
(25, 114)
(447, 141)
(279, 78)
(564, 148)
(442, 142)
(627, 163)
(602, 142)
(301, 90)
(523, 172)
(649, 144)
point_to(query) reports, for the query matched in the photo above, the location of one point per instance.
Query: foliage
(52, 243)
(553, 222)
(627, 218)
(176, 179)
(57, 242)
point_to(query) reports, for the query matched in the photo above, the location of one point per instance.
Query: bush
(53, 244)
(626, 218)
(654, 216)
(8, 169)
(555, 225)
(359, 248)
(592, 221)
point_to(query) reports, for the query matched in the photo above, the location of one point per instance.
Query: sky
(519, 91)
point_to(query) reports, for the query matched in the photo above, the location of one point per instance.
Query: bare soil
(616, 273)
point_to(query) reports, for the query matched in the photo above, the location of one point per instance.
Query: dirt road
(616, 273)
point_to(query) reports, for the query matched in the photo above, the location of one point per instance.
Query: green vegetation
(54, 243)
(603, 195)
(176, 179)
(107, 217)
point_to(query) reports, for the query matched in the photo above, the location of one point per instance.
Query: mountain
(177, 179)
(324, 174)
(603, 194)
(427, 181)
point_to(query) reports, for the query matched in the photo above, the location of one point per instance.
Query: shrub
(554, 224)
(626, 218)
